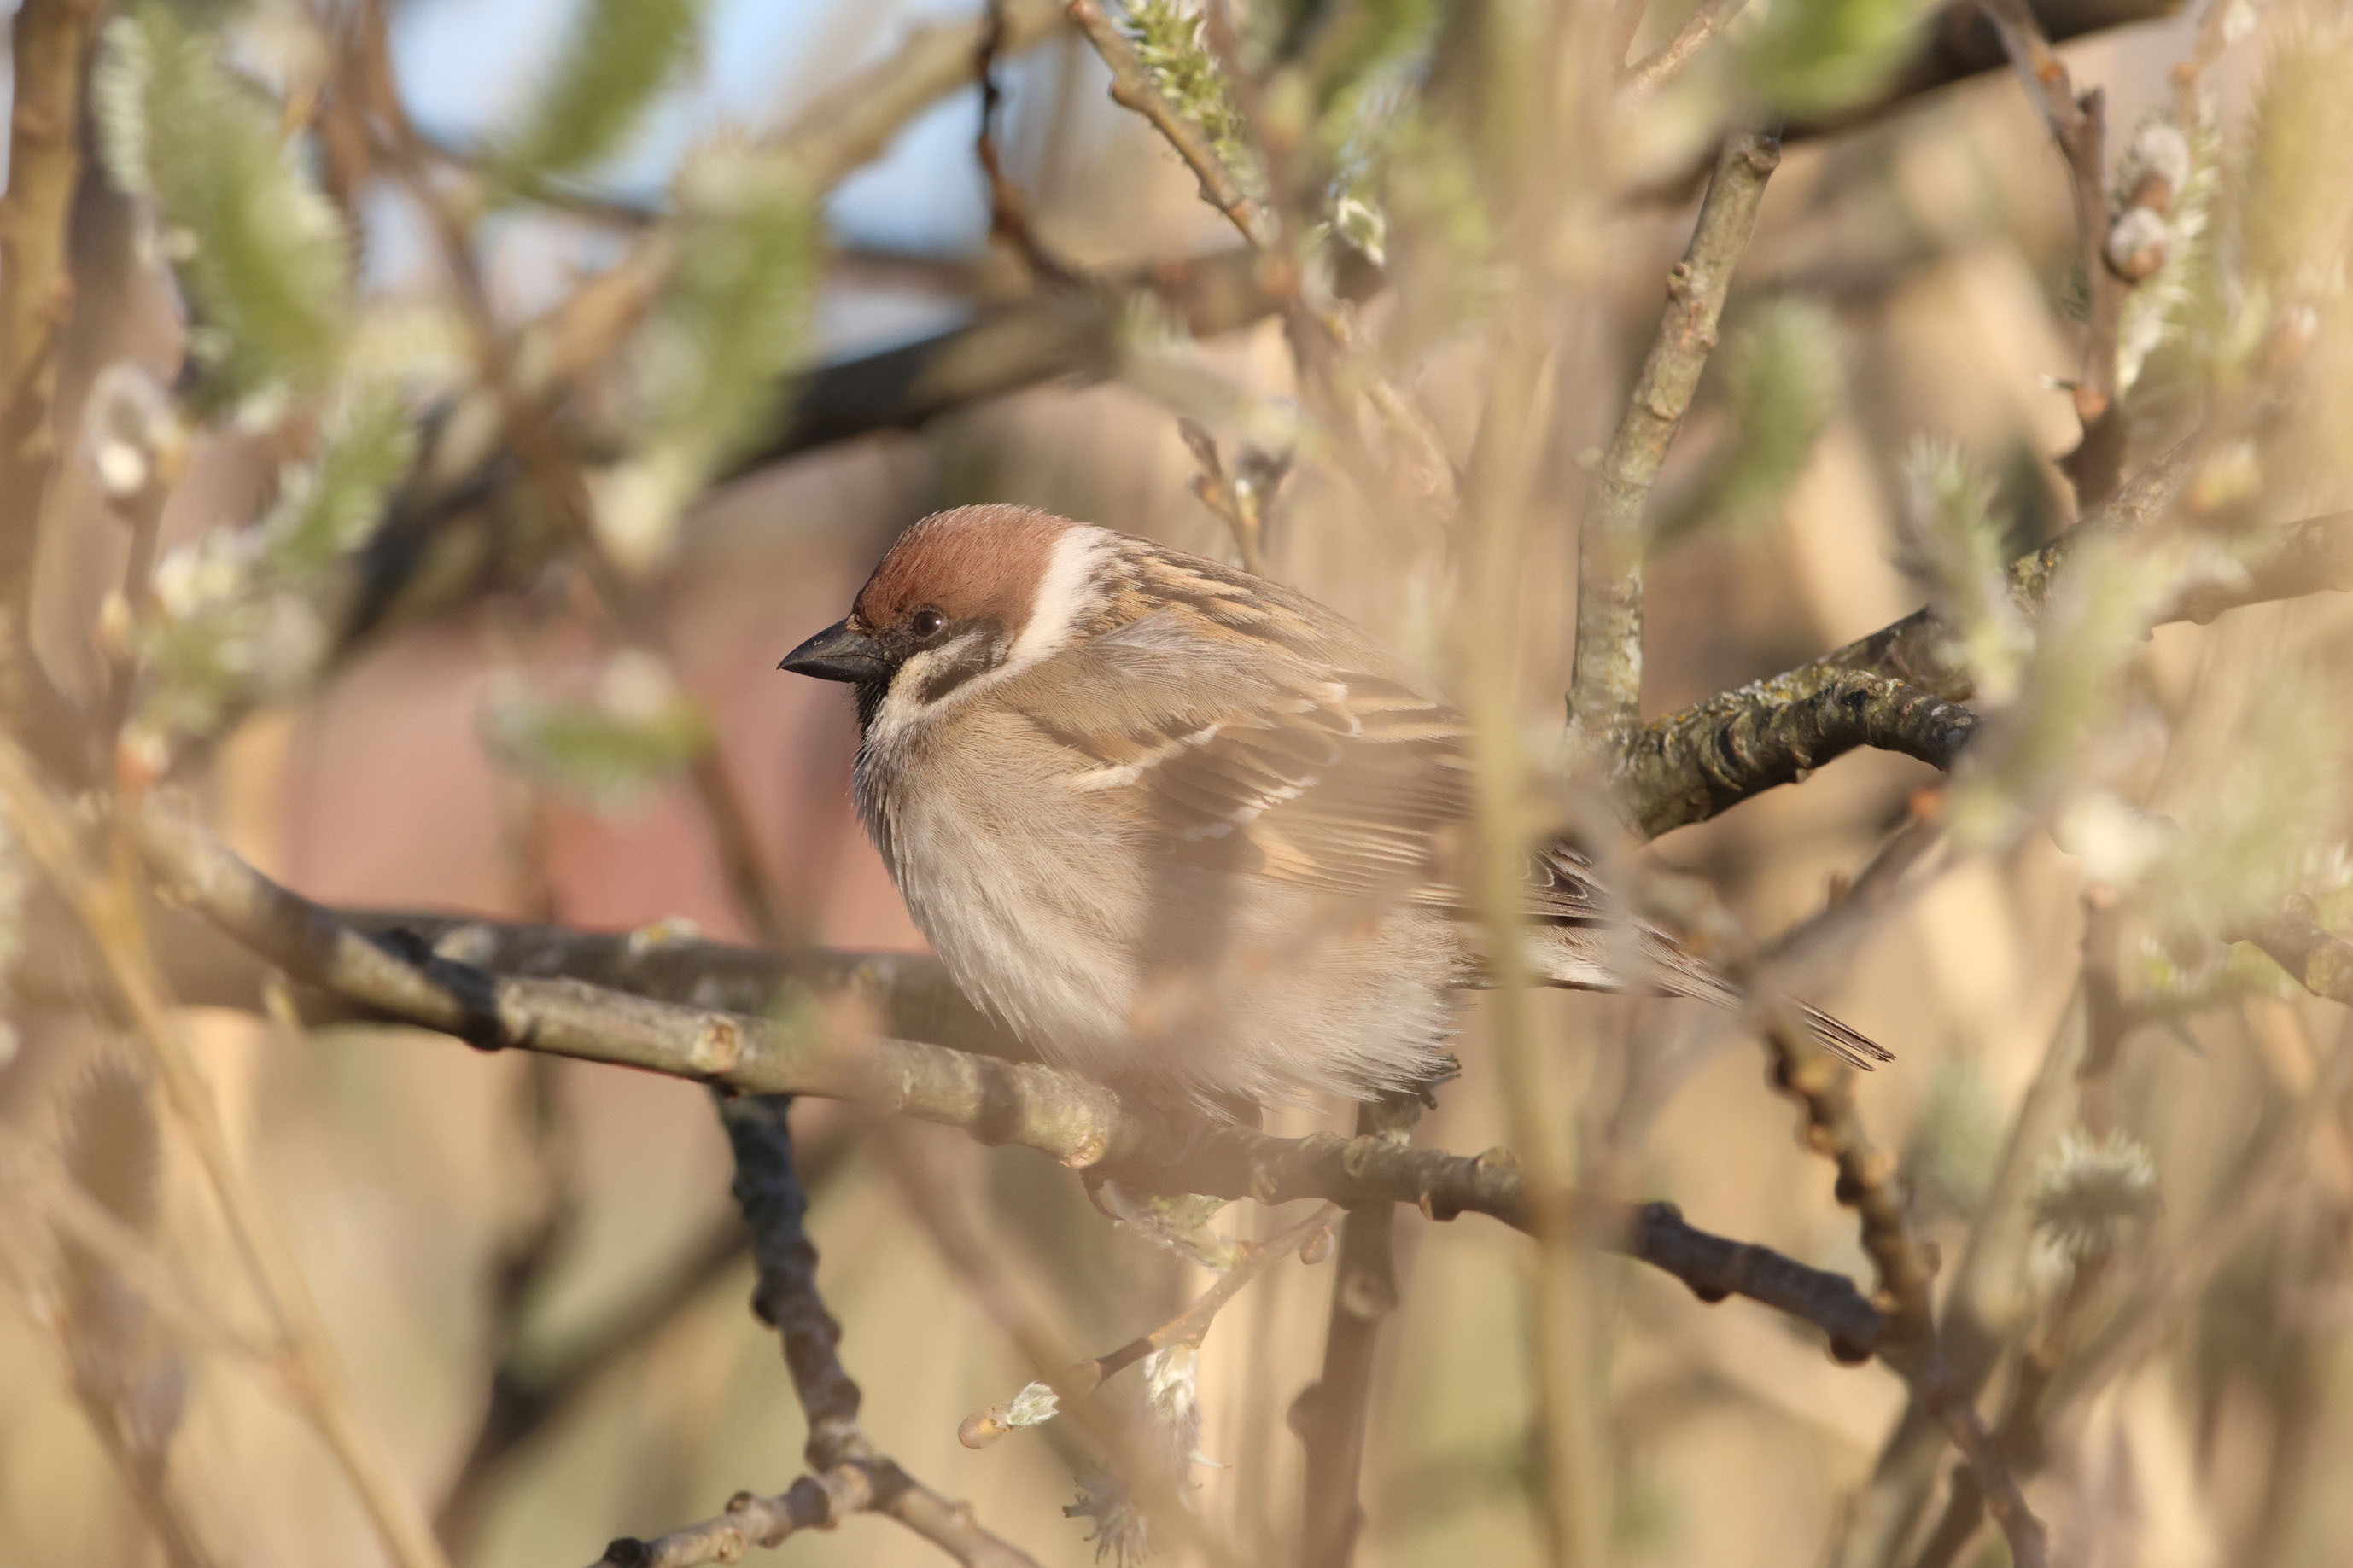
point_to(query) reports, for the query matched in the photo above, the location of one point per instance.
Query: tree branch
(1132, 88)
(1685, 766)
(1694, 765)
(2320, 962)
(1081, 1124)
(1824, 1088)
(2079, 125)
(1604, 697)
(1332, 1412)
(51, 48)
(1663, 63)
(850, 1474)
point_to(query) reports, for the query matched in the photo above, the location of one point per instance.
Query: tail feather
(1857, 1049)
(1578, 960)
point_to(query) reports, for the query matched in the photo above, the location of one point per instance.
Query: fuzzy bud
(2138, 242)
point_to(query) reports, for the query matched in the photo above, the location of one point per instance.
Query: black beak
(839, 653)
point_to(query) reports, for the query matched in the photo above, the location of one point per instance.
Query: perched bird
(1182, 829)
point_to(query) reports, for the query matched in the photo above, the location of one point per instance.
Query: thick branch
(1678, 773)
(1604, 697)
(1694, 764)
(1080, 1123)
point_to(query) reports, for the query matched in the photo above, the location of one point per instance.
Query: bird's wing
(1329, 772)
(1330, 776)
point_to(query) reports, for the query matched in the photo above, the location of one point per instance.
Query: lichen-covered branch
(1697, 763)
(1606, 690)
(1683, 766)
(1081, 1124)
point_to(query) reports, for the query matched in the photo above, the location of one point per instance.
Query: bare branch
(2079, 125)
(1663, 63)
(1189, 1327)
(1081, 1124)
(849, 1474)
(1333, 1412)
(1008, 211)
(1824, 1089)
(1605, 695)
(854, 122)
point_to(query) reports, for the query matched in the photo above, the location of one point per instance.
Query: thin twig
(2079, 125)
(1665, 62)
(1189, 1327)
(1333, 1412)
(1867, 1183)
(1008, 212)
(1606, 690)
(1132, 88)
(848, 1473)
(1240, 498)
(51, 50)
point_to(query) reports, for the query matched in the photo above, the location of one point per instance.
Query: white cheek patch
(905, 701)
(1071, 588)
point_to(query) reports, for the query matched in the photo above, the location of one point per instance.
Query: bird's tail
(1578, 960)
(1844, 1040)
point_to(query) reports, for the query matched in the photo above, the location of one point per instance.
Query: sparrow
(1185, 830)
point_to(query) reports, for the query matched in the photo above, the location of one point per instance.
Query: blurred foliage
(2091, 1189)
(1808, 58)
(1781, 381)
(732, 320)
(1952, 547)
(633, 733)
(2177, 299)
(1955, 1145)
(617, 59)
(242, 616)
(263, 253)
(2295, 197)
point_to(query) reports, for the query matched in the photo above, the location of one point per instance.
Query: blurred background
(511, 736)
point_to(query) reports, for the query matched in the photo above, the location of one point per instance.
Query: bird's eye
(927, 624)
